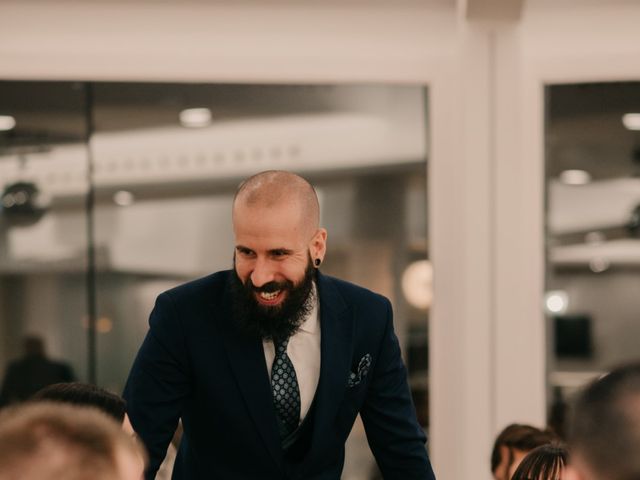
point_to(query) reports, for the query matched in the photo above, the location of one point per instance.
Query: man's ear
(318, 245)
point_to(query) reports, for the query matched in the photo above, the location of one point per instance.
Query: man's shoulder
(205, 287)
(349, 291)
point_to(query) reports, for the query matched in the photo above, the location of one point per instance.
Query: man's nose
(263, 273)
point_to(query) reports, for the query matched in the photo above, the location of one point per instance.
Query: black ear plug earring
(317, 262)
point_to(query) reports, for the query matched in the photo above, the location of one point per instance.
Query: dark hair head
(605, 426)
(33, 345)
(543, 463)
(84, 394)
(520, 437)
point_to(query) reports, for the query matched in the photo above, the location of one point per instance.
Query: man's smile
(270, 298)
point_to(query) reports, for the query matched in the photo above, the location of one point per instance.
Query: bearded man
(269, 364)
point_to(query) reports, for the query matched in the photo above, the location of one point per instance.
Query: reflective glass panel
(43, 234)
(593, 233)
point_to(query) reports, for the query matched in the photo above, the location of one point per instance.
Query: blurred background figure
(48, 441)
(32, 372)
(604, 431)
(512, 445)
(543, 463)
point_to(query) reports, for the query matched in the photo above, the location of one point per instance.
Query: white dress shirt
(304, 351)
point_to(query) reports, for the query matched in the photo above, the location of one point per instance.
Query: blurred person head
(52, 441)
(546, 462)
(33, 346)
(278, 247)
(511, 446)
(85, 394)
(23, 377)
(604, 428)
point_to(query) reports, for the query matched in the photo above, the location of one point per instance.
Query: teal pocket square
(363, 369)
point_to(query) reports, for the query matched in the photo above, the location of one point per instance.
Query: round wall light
(556, 302)
(417, 284)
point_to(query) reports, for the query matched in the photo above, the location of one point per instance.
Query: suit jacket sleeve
(159, 382)
(395, 437)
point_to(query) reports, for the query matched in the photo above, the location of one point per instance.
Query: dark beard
(277, 322)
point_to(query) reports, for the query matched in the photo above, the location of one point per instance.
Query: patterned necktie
(286, 394)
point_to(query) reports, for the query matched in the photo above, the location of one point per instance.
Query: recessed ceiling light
(631, 121)
(7, 122)
(575, 177)
(195, 117)
(123, 198)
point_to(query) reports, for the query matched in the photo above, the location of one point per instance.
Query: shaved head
(278, 247)
(275, 188)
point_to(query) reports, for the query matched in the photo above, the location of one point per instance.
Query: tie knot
(281, 345)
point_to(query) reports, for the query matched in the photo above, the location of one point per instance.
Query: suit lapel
(336, 347)
(246, 358)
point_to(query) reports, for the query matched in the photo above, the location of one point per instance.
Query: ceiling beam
(500, 10)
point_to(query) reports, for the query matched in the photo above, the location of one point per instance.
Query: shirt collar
(311, 323)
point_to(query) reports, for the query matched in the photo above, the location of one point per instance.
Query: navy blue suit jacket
(194, 365)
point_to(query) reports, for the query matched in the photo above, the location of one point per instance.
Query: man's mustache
(270, 287)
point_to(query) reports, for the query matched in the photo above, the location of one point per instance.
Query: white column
(487, 333)
(461, 218)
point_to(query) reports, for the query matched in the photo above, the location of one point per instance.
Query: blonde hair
(52, 441)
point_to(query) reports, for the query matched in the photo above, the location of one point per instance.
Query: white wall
(242, 41)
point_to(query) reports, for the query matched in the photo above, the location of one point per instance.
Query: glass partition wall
(593, 233)
(139, 179)
(43, 226)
